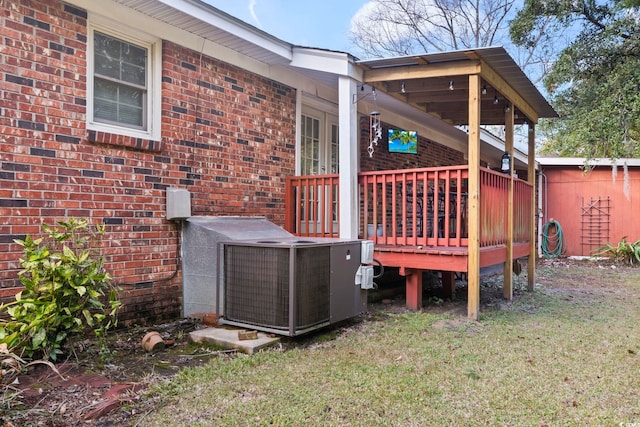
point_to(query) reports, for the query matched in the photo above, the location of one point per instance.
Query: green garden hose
(552, 239)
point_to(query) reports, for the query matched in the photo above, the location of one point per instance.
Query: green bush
(624, 252)
(65, 284)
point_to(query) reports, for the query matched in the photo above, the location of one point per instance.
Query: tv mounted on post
(403, 141)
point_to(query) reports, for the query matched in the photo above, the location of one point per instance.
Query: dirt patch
(102, 388)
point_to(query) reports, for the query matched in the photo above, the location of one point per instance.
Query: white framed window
(124, 81)
(319, 142)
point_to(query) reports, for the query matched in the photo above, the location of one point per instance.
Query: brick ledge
(124, 141)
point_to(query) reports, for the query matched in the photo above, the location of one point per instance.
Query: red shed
(593, 207)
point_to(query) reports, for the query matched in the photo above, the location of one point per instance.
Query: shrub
(65, 284)
(623, 252)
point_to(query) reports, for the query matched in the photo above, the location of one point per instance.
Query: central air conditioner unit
(290, 286)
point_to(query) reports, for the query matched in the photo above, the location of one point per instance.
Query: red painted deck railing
(425, 207)
(311, 206)
(494, 191)
(522, 205)
(411, 207)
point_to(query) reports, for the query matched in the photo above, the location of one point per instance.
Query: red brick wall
(430, 154)
(215, 142)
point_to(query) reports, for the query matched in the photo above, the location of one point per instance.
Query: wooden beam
(531, 177)
(454, 261)
(505, 89)
(508, 263)
(426, 86)
(473, 270)
(459, 68)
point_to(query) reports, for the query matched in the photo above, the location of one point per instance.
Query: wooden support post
(508, 262)
(413, 281)
(531, 177)
(473, 262)
(448, 284)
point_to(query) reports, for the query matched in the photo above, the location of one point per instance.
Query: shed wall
(579, 203)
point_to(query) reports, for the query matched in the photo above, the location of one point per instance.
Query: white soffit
(212, 24)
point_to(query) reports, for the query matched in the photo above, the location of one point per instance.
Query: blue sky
(324, 24)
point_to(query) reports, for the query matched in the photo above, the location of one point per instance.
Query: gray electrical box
(178, 203)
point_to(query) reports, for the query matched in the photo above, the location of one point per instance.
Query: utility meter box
(367, 252)
(178, 203)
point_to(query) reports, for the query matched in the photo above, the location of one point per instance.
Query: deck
(417, 218)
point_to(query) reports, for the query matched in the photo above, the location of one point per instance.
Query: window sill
(110, 138)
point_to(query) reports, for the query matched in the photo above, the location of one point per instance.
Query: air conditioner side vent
(259, 282)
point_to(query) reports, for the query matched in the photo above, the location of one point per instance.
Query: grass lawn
(567, 354)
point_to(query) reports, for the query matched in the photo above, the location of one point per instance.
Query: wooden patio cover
(472, 87)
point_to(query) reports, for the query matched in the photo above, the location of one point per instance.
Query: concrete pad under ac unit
(228, 339)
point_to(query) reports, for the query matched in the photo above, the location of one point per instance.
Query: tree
(406, 27)
(594, 83)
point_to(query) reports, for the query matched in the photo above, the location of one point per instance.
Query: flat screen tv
(403, 141)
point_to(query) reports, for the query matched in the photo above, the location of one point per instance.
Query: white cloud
(252, 11)
(363, 13)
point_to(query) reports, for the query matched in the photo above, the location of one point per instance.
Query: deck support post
(413, 281)
(531, 177)
(448, 284)
(473, 261)
(508, 263)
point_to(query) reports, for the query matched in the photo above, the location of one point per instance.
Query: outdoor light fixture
(450, 84)
(495, 99)
(402, 88)
(484, 89)
(507, 108)
(357, 98)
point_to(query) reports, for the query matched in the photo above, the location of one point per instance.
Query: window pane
(310, 145)
(334, 149)
(118, 103)
(105, 89)
(119, 60)
(107, 56)
(105, 106)
(131, 97)
(134, 55)
(105, 110)
(133, 74)
(130, 115)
